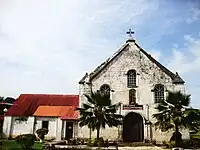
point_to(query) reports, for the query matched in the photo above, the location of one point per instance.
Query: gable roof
(27, 104)
(176, 79)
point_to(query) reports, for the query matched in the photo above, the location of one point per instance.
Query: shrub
(154, 142)
(41, 133)
(72, 141)
(89, 142)
(164, 143)
(147, 141)
(96, 142)
(26, 141)
(100, 142)
(106, 143)
(80, 141)
(171, 144)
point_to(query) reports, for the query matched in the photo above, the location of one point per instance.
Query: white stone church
(131, 76)
(134, 78)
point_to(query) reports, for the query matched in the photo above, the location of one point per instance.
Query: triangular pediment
(176, 79)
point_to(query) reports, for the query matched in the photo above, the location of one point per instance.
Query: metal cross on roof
(130, 32)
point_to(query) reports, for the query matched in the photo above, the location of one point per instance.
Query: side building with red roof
(30, 112)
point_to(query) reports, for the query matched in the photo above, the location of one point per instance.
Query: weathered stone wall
(115, 75)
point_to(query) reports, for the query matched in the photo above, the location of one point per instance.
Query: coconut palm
(99, 112)
(174, 113)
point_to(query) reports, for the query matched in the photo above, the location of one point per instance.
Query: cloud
(186, 61)
(194, 15)
(46, 46)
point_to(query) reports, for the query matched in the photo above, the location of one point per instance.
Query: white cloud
(188, 58)
(46, 46)
(187, 62)
(194, 15)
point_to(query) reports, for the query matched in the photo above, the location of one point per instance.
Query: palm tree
(99, 112)
(174, 113)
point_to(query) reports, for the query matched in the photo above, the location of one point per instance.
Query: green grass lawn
(12, 145)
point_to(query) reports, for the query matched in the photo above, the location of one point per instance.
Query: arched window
(105, 89)
(132, 96)
(131, 78)
(159, 93)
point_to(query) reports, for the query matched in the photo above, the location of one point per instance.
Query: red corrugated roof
(26, 104)
(64, 112)
(52, 111)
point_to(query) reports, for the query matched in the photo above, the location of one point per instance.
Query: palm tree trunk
(98, 131)
(90, 133)
(176, 135)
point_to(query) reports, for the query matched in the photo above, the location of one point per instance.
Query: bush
(164, 143)
(80, 141)
(194, 142)
(96, 142)
(100, 142)
(154, 142)
(72, 141)
(26, 141)
(42, 132)
(171, 144)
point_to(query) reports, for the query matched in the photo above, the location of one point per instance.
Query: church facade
(135, 79)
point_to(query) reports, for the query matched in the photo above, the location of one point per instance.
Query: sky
(46, 46)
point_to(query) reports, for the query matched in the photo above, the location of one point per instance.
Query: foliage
(154, 142)
(97, 142)
(174, 113)
(12, 145)
(1, 99)
(26, 140)
(99, 112)
(6, 103)
(7, 100)
(42, 132)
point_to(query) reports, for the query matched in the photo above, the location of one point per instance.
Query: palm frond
(174, 111)
(89, 98)
(86, 106)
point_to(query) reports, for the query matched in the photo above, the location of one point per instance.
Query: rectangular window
(45, 124)
(131, 78)
(132, 97)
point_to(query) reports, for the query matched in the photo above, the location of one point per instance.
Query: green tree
(174, 113)
(41, 133)
(98, 112)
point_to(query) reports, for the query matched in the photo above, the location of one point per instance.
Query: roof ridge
(162, 67)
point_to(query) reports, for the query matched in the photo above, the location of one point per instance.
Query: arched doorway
(133, 128)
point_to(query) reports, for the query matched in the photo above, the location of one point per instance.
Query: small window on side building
(45, 124)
